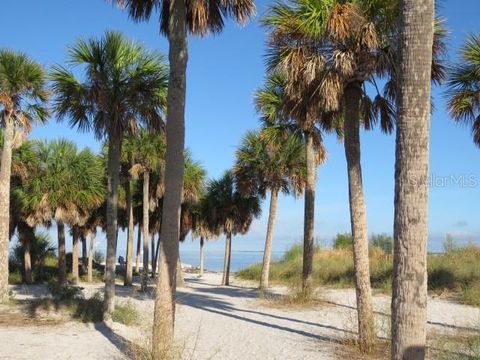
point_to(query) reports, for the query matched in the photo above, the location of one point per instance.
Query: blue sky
(223, 73)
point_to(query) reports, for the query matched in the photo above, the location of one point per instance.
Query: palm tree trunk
(146, 235)
(25, 235)
(358, 219)
(90, 258)
(268, 240)
(155, 263)
(226, 260)
(62, 259)
(409, 300)
(180, 279)
(309, 213)
(5, 172)
(152, 249)
(164, 316)
(202, 255)
(129, 267)
(113, 168)
(84, 253)
(137, 257)
(75, 255)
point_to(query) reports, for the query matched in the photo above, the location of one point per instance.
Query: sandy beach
(224, 323)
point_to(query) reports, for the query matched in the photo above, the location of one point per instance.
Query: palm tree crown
(123, 84)
(464, 87)
(23, 91)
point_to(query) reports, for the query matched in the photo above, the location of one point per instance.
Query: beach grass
(454, 273)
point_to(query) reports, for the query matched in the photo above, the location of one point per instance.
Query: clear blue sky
(223, 73)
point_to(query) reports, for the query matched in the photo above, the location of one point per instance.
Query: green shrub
(126, 314)
(382, 241)
(342, 240)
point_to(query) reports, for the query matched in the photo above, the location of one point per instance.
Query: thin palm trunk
(25, 235)
(358, 218)
(113, 168)
(309, 213)
(409, 300)
(90, 258)
(139, 240)
(269, 239)
(226, 260)
(74, 255)
(129, 267)
(155, 263)
(146, 235)
(164, 315)
(202, 255)
(84, 253)
(62, 260)
(5, 172)
(180, 279)
(152, 249)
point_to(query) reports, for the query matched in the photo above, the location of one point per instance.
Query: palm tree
(123, 84)
(24, 164)
(409, 300)
(203, 226)
(232, 213)
(463, 92)
(177, 18)
(296, 118)
(68, 185)
(148, 155)
(23, 95)
(265, 164)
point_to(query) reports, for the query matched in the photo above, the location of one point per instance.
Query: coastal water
(214, 258)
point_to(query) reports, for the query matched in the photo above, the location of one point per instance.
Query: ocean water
(214, 258)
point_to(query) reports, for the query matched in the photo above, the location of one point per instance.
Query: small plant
(98, 256)
(342, 241)
(126, 314)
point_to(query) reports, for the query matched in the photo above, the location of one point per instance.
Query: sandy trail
(221, 323)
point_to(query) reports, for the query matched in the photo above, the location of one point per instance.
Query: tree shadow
(123, 345)
(221, 307)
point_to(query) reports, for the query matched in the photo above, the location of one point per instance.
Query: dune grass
(455, 272)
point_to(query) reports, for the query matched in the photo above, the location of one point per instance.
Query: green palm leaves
(66, 186)
(123, 84)
(23, 90)
(264, 163)
(464, 87)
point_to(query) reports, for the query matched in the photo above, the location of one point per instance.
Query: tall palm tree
(232, 213)
(409, 300)
(463, 92)
(265, 163)
(148, 155)
(127, 163)
(177, 18)
(123, 84)
(297, 118)
(23, 96)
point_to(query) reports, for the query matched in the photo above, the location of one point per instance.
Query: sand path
(220, 323)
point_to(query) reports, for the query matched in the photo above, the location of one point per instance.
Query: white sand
(220, 323)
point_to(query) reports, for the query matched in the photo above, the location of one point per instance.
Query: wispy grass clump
(126, 314)
(456, 271)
